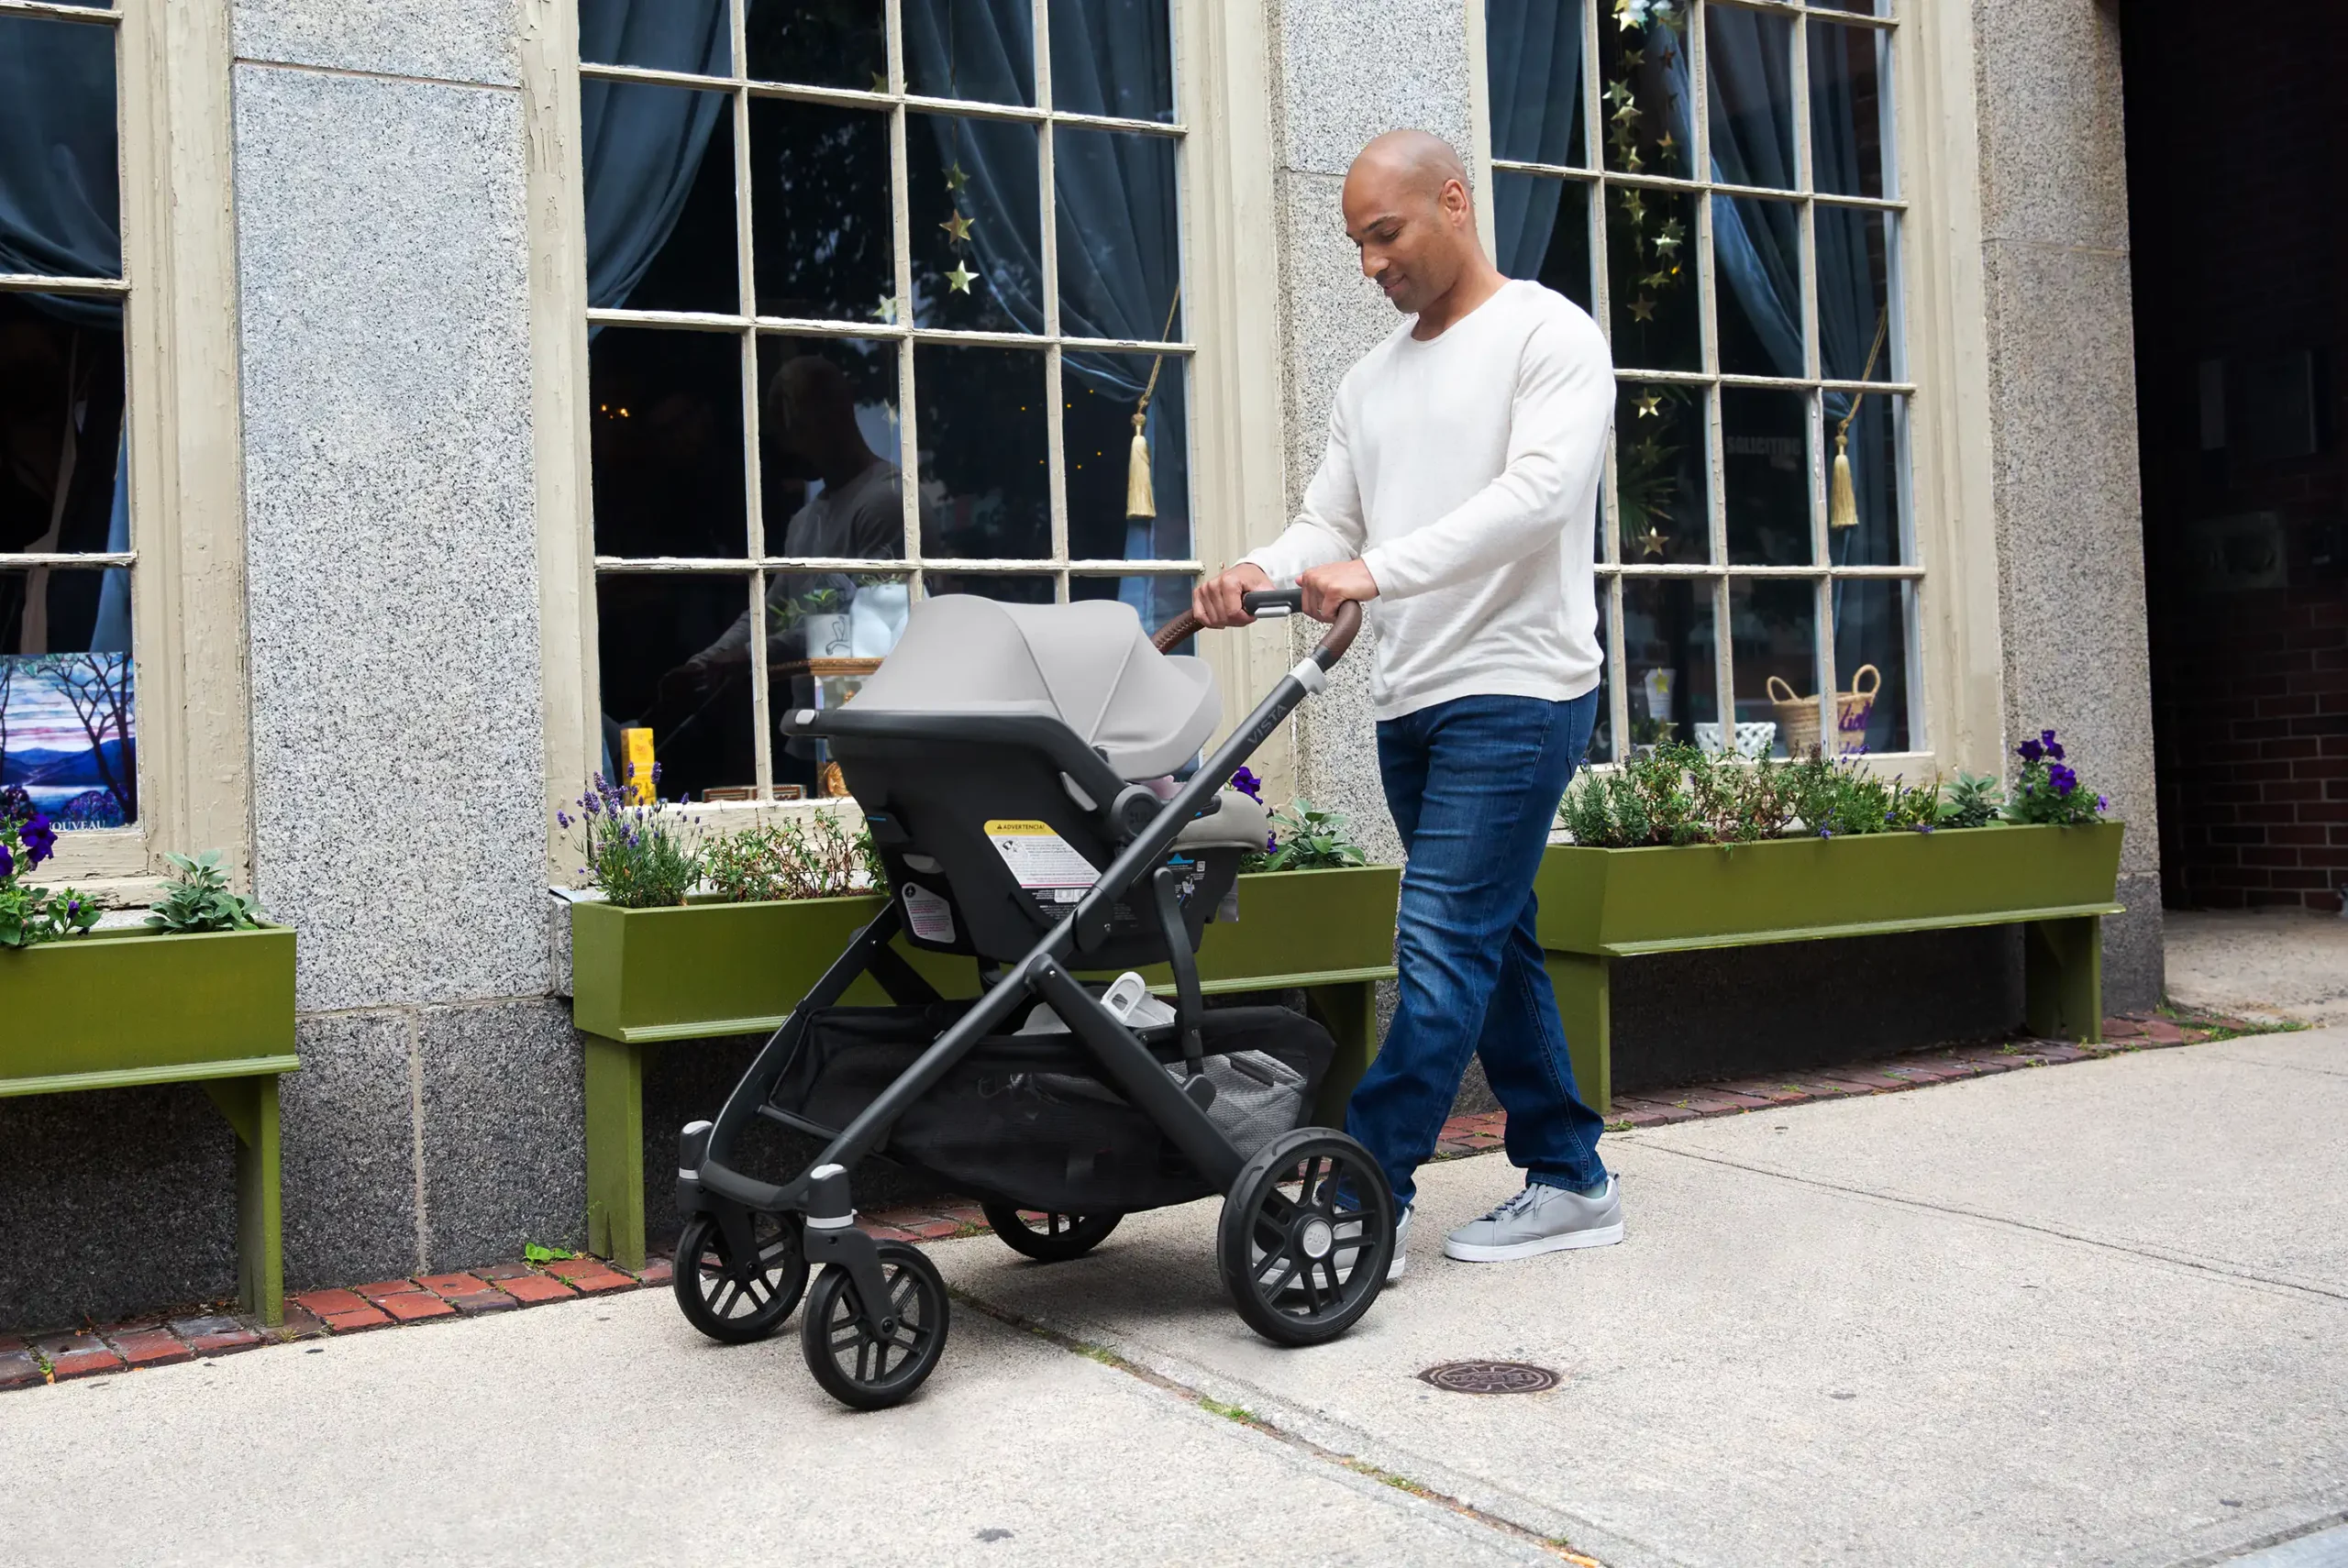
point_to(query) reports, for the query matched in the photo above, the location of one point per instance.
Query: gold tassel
(1141, 494)
(1841, 500)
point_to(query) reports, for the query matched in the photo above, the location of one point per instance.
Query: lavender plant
(31, 914)
(642, 856)
(2047, 790)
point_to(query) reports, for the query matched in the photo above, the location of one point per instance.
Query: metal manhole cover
(1490, 1377)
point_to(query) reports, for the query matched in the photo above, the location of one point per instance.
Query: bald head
(1408, 208)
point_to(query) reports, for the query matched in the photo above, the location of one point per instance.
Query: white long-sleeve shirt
(1464, 472)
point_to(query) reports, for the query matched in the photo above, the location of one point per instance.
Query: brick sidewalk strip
(215, 1335)
(78, 1355)
(531, 1289)
(148, 1346)
(414, 1306)
(18, 1370)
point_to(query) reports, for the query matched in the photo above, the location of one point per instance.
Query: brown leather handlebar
(1326, 653)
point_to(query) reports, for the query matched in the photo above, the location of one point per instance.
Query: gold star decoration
(1635, 204)
(1618, 93)
(1650, 406)
(955, 178)
(1626, 114)
(958, 227)
(1643, 309)
(879, 83)
(1633, 59)
(1669, 238)
(961, 278)
(1632, 162)
(1668, 143)
(1624, 15)
(886, 311)
(1652, 543)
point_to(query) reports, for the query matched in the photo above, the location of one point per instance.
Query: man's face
(1410, 241)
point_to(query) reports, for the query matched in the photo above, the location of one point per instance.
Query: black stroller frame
(1306, 1235)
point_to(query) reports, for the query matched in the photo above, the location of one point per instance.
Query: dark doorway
(2235, 183)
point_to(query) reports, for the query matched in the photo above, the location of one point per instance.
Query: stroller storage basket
(1028, 1119)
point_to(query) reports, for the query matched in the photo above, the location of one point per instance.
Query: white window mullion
(1055, 434)
(900, 223)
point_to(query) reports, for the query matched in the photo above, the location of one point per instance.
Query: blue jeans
(1474, 785)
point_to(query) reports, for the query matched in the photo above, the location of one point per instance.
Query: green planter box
(1599, 906)
(121, 1010)
(643, 979)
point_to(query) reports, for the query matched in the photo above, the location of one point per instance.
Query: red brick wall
(2235, 144)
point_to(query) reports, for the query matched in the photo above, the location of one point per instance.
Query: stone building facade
(372, 445)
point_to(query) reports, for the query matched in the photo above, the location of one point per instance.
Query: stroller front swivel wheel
(737, 1307)
(1306, 1236)
(858, 1368)
(1048, 1238)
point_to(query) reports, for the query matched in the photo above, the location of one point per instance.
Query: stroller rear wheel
(1306, 1236)
(732, 1307)
(859, 1369)
(1048, 1238)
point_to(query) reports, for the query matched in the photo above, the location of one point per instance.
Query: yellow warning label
(1038, 857)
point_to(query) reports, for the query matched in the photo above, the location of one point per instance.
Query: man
(1455, 500)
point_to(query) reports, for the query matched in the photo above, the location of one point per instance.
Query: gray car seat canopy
(1089, 663)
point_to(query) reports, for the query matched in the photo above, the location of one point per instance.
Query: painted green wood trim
(2062, 979)
(616, 1150)
(140, 1078)
(1349, 1012)
(1622, 900)
(702, 970)
(1863, 928)
(173, 1003)
(1584, 988)
(249, 1106)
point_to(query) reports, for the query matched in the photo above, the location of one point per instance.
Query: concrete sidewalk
(2094, 1314)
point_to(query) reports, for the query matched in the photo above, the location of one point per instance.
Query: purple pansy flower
(7, 864)
(2062, 778)
(38, 838)
(2053, 748)
(2029, 751)
(2103, 802)
(1247, 784)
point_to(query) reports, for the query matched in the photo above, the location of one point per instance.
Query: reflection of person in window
(858, 514)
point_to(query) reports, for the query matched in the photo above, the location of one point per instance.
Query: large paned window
(877, 292)
(1718, 185)
(68, 736)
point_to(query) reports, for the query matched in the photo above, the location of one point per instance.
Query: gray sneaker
(1541, 1218)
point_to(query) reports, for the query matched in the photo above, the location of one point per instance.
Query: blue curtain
(1533, 52)
(1120, 252)
(641, 147)
(61, 215)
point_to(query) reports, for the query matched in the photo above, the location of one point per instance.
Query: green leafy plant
(31, 914)
(642, 856)
(2047, 791)
(1306, 838)
(198, 899)
(1677, 794)
(800, 857)
(1971, 800)
(534, 1254)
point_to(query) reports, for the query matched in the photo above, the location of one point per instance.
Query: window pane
(666, 442)
(57, 79)
(63, 486)
(977, 228)
(1667, 654)
(985, 492)
(1765, 439)
(676, 660)
(1773, 634)
(830, 615)
(1854, 293)
(1757, 277)
(659, 177)
(830, 447)
(68, 733)
(983, 49)
(1849, 109)
(1156, 600)
(676, 34)
(825, 43)
(1644, 89)
(1880, 536)
(1011, 590)
(1749, 61)
(1602, 732)
(1651, 272)
(1871, 623)
(1533, 52)
(1113, 57)
(1862, 7)
(1097, 394)
(1659, 472)
(1120, 240)
(819, 211)
(1541, 225)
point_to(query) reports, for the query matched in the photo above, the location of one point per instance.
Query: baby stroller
(1013, 763)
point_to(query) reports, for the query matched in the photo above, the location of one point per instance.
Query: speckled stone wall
(2063, 409)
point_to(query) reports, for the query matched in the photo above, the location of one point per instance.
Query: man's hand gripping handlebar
(1271, 604)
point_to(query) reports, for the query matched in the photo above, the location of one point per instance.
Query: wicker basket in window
(1798, 716)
